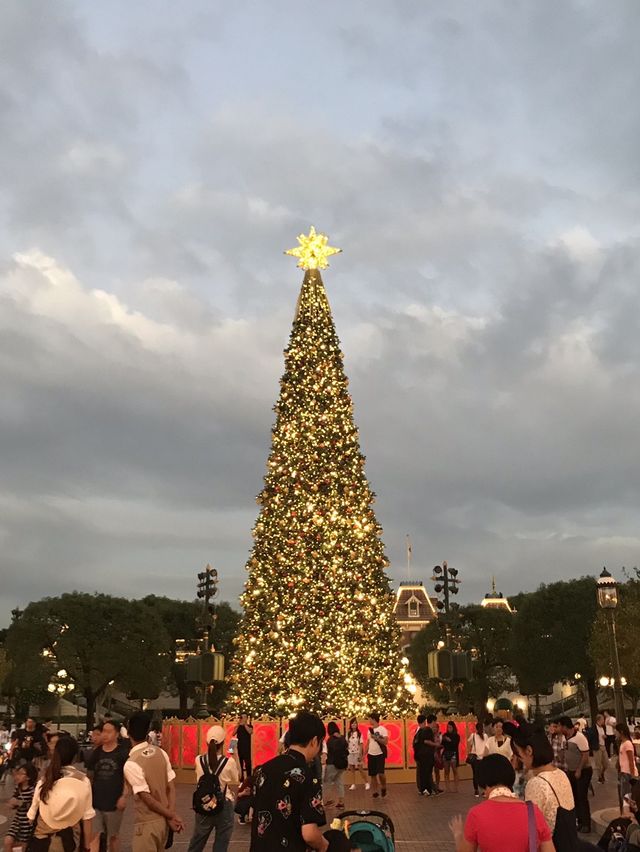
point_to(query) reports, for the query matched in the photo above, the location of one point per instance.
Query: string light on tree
(318, 629)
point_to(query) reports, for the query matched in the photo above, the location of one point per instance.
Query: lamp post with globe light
(60, 685)
(608, 601)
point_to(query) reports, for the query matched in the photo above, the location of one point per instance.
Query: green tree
(96, 639)
(318, 628)
(486, 635)
(180, 619)
(551, 636)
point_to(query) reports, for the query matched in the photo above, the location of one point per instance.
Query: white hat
(216, 734)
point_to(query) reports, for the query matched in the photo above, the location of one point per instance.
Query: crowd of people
(535, 782)
(546, 776)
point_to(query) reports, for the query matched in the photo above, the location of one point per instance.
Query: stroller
(371, 831)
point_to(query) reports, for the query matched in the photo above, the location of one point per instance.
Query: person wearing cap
(61, 807)
(149, 774)
(228, 776)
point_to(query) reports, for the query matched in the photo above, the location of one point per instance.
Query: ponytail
(212, 754)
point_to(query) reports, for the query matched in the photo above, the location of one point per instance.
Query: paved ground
(421, 823)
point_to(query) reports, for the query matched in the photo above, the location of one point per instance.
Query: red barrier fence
(184, 740)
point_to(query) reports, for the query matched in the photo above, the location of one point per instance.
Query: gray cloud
(480, 170)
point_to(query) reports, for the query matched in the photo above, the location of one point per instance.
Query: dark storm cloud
(479, 167)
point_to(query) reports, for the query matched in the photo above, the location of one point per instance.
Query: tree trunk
(90, 698)
(183, 693)
(592, 691)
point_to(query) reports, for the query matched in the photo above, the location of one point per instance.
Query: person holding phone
(377, 755)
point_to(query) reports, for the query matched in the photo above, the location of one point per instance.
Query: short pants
(375, 765)
(107, 822)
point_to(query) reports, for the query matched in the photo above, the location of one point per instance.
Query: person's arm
(32, 813)
(456, 827)
(584, 761)
(87, 836)
(313, 837)
(547, 846)
(135, 778)
(381, 739)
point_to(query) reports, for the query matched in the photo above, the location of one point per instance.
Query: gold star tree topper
(313, 251)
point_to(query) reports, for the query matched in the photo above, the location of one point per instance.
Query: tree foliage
(96, 639)
(180, 622)
(486, 634)
(551, 633)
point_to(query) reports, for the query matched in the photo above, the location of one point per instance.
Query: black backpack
(209, 797)
(341, 756)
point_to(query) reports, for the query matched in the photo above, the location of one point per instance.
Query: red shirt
(503, 826)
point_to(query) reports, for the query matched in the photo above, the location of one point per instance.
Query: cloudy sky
(479, 163)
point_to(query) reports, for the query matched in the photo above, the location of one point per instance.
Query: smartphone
(233, 744)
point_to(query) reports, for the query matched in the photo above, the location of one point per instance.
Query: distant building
(413, 609)
(496, 600)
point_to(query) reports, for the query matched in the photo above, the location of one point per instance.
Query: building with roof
(495, 599)
(413, 608)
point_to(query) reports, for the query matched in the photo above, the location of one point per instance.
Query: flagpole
(409, 553)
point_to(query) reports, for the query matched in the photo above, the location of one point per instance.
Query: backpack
(341, 755)
(209, 797)
(591, 734)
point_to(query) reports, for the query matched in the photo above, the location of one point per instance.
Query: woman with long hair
(450, 754)
(356, 754)
(626, 758)
(548, 787)
(61, 808)
(503, 822)
(476, 745)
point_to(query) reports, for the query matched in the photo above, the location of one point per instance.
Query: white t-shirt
(69, 801)
(610, 726)
(374, 748)
(538, 790)
(355, 743)
(228, 776)
(627, 758)
(577, 745)
(581, 723)
(477, 744)
(492, 747)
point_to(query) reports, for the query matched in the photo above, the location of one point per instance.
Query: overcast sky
(479, 164)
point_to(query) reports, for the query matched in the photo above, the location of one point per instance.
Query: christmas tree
(318, 629)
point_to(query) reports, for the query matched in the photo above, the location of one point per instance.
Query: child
(21, 829)
(244, 799)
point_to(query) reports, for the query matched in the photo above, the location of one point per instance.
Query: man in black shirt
(27, 744)
(287, 793)
(243, 734)
(423, 753)
(106, 767)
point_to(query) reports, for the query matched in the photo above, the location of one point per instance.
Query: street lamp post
(447, 583)
(608, 601)
(60, 685)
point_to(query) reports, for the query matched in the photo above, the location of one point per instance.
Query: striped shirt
(21, 827)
